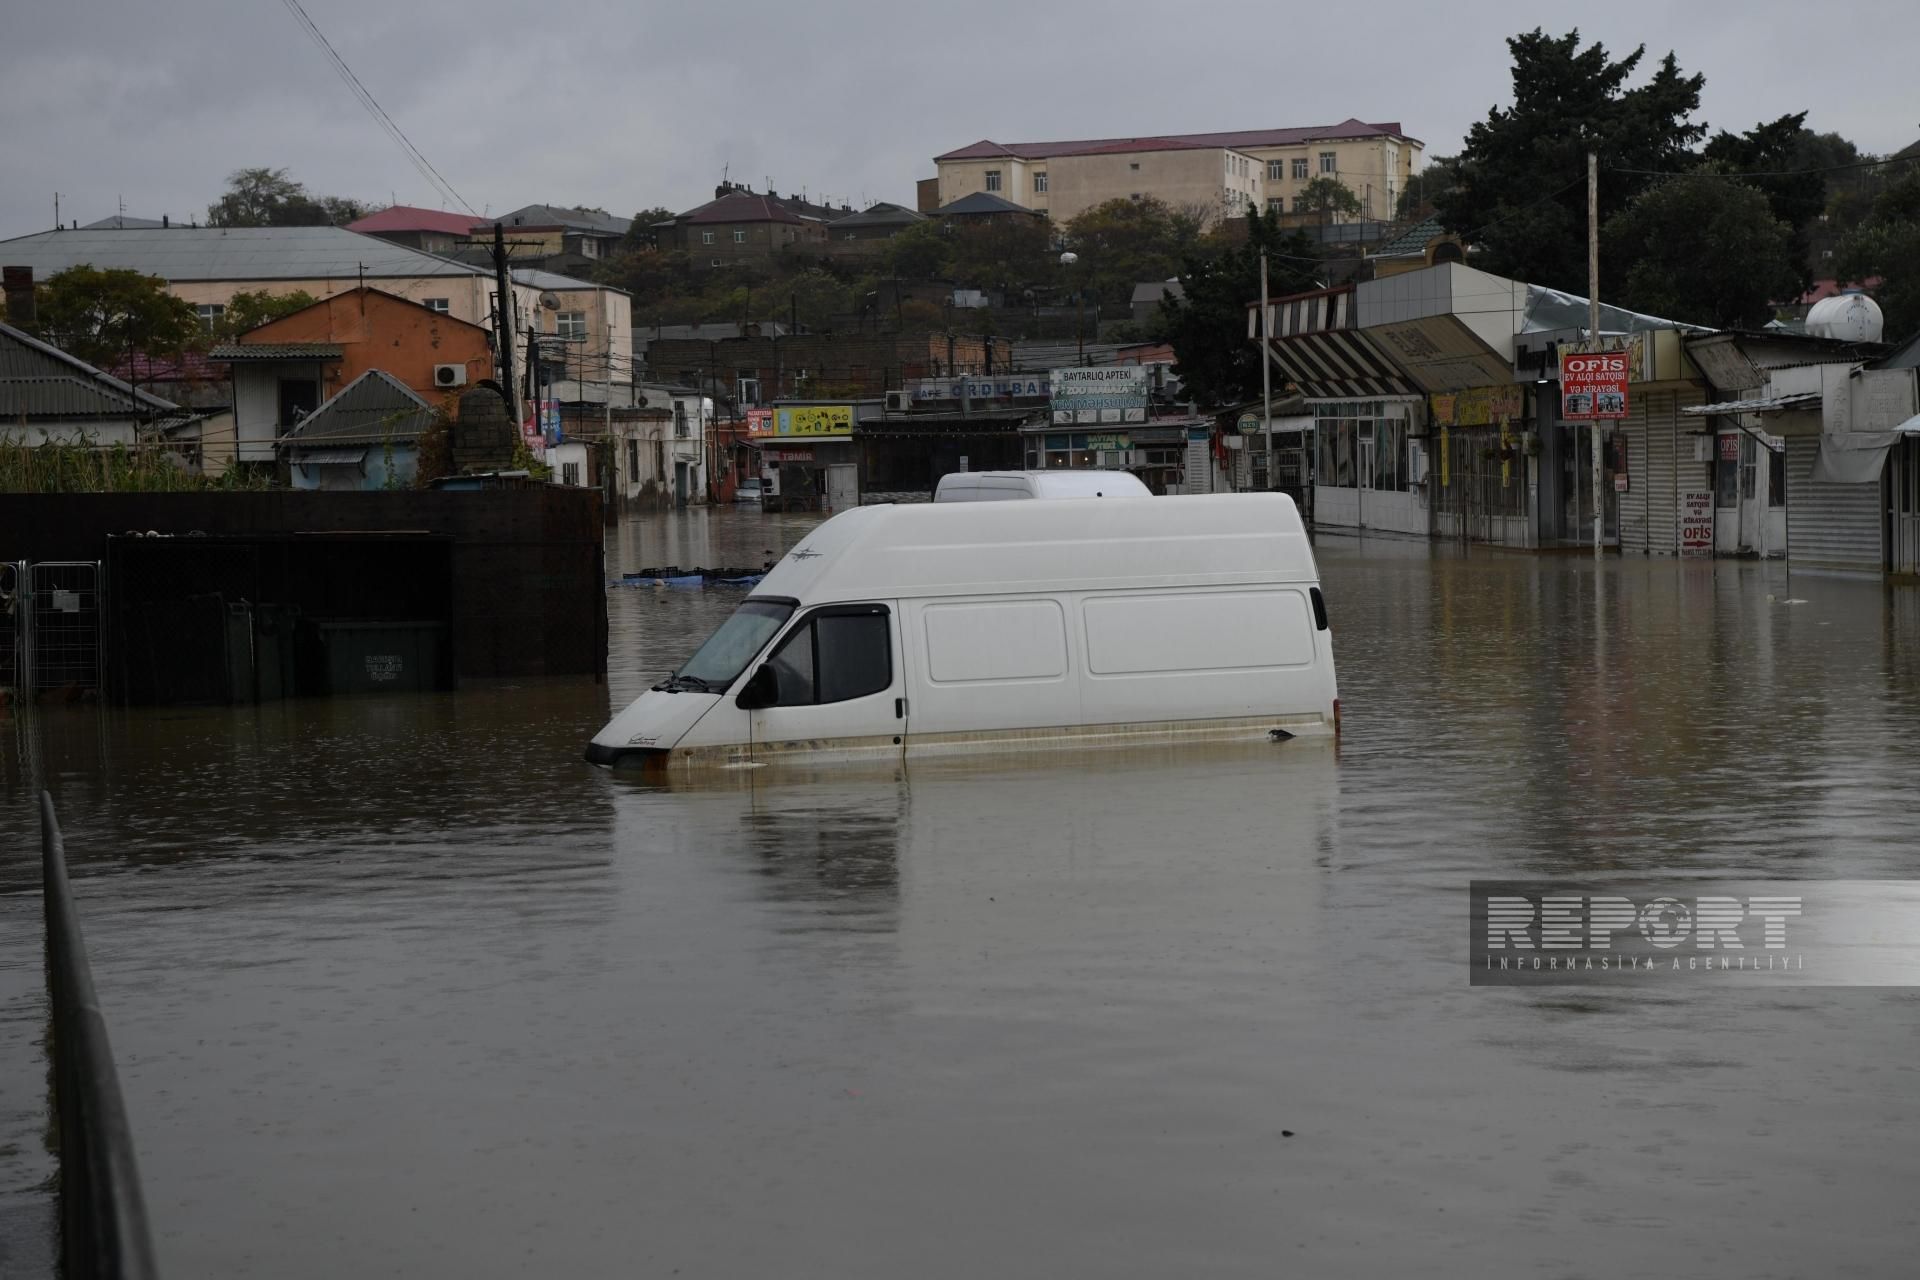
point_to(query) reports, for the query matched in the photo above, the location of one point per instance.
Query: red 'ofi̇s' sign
(1593, 384)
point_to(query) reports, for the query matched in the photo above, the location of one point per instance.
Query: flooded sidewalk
(400, 986)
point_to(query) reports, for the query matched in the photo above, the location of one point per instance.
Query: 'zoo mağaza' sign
(1109, 394)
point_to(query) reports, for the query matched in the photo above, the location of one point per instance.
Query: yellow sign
(816, 420)
(1477, 407)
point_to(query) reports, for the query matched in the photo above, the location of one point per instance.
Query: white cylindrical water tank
(1849, 317)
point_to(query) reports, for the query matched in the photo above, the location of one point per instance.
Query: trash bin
(273, 650)
(381, 657)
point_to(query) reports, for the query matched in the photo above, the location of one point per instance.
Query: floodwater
(401, 987)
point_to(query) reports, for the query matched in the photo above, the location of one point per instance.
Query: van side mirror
(762, 689)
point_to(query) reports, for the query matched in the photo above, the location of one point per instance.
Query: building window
(589, 248)
(715, 262)
(1299, 205)
(1328, 162)
(1276, 205)
(440, 305)
(573, 324)
(209, 313)
(633, 461)
(570, 474)
(993, 179)
(1040, 182)
(1276, 170)
(1300, 168)
(739, 235)
(1134, 165)
(706, 237)
(680, 419)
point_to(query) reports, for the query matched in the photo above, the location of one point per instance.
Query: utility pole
(503, 325)
(1266, 369)
(1593, 331)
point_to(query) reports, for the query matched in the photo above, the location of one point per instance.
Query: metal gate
(63, 626)
(1830, 525)
(1484, 494)
(1903, 506)
(13, 628)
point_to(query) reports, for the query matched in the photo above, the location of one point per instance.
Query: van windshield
(719, 662)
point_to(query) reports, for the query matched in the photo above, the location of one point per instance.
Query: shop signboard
(1109, 443)
(1249, 423)
(759, 422)
(1011, 387)
(1476, 406)
(1107, 395)
(814, 420)
(1696, 523)
(1593, 384)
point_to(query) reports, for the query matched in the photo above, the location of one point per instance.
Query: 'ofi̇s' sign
(1593, 384)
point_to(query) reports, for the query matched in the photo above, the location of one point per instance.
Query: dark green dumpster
(382, 657)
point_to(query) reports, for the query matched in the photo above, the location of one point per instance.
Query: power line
(379, 114)
(1766, 173)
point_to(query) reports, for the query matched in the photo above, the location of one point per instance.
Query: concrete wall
(374, 472)
(1377, 170)
(608, 348)
(378, 332)
(966, 177)
(756, 242)
(1213, 179)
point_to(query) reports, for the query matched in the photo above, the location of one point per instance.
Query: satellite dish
(551, 301)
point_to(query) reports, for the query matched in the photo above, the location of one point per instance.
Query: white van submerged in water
(905, 630)
(996, 486)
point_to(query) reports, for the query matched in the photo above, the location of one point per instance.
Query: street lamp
(1067, 259)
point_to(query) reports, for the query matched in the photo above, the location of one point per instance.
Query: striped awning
(1766, 404)
(1335, 363)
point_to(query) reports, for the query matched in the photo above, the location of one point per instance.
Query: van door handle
(899, 708)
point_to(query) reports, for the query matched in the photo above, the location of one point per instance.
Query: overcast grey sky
(632, 105)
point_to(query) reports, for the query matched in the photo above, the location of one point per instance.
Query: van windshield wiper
(674, 684)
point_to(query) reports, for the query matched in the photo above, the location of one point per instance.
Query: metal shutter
(1633, 503)
(1665, 441)
(1829, 526)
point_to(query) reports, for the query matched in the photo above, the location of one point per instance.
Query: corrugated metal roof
(38, 380)
(740, 206)
(373, 407)
(233, 351)
(407, 217)
(547, 215)
(330, 457)
(882, 214)
(230, 253)
(534, 278)
(1346, 129)
(1764, 404)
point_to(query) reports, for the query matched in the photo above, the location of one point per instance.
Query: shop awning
(1764, 404)
(330, 457)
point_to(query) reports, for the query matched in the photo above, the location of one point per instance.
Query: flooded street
(401, 987)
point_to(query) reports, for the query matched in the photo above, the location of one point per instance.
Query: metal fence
(50, 634)
(103, 1214)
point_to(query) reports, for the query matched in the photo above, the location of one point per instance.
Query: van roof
(1061, 483)
(998, 548)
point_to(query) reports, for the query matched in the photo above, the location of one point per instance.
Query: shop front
(808, 459)
(1371, 468)
(1482, 480)
(903, 455)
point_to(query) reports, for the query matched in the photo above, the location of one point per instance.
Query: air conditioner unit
(899, 401)
(449, 375)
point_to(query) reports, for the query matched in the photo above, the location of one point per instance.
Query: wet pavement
(400, 987)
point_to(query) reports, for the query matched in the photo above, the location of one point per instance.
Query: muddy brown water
(401, 987)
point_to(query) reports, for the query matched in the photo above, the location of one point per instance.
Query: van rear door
(841, 687)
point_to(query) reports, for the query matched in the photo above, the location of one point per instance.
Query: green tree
(102, 316)
(1207, 327)
(1331, 198)
(1520, 197)
(271, 198)
(250, 310)
(921, 252)
(1124, 242)
(1886, 246)
(1776, 155)
(1004, 255)
(1705, 248)
(644, 233)
(1440, 174)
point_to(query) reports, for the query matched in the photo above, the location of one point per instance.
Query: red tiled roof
(406, 217)
(1346, 129)
(1828, 288)
(741, 207)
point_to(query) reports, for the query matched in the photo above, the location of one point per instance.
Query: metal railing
(103, 1215)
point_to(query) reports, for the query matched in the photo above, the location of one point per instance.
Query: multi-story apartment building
(1214, 174)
